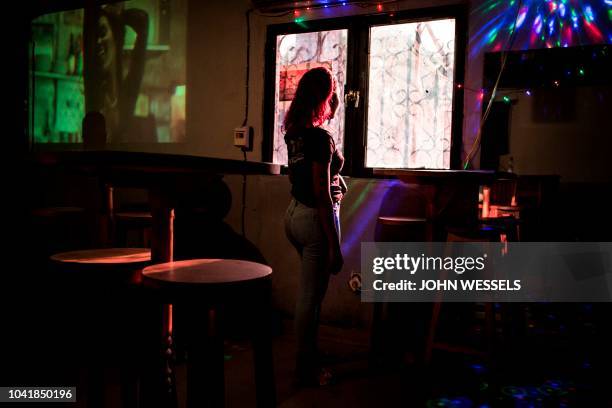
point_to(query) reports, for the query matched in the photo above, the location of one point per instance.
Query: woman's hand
(334, 101)
(336, 193)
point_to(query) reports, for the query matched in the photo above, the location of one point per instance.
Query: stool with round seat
(401, 228)
(106, 268)
(459, 234)
(389, 331)
(204, 287)
(104, 256)
(487, 230)
(99, 290)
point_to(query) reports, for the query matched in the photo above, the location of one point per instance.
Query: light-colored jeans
(304, 230)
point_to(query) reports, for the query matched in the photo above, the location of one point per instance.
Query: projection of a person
(110, 88)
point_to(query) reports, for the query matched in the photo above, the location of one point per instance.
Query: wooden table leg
(158, 383)
(205, 363)
(161, 384)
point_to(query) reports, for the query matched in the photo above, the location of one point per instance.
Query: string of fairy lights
(579, 73)
(302, 10)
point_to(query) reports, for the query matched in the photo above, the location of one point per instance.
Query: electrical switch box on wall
(243, 138)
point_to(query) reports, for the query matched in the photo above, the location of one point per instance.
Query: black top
(305, 146)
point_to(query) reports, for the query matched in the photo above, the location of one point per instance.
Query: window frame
(355, 125)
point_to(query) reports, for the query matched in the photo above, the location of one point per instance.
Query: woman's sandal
(354, 282)
(326, 377)
(321, 379)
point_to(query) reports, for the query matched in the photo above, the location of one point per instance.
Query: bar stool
(508, 226)
(499, 206)
(483, 232)
(385, 341)
(204, 287)
(118, 220)
(100, 288)
(401, 228)
(401, 216)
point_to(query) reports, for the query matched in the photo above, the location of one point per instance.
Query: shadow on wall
(200, 229)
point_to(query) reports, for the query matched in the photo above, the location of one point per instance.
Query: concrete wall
(576, 145)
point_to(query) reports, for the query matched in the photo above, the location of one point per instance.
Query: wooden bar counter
(165, 176)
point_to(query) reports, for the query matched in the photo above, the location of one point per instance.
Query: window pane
(296, 54)
(410, 97)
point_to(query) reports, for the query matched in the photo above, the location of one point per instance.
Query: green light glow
(134, 111)
(300, 21)
(506, 99)
(180, 90)
(492, 36)
(581, 72)
(492, 6)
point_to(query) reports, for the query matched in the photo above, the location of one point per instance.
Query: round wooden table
(206, 272)
(102, 268)
(101, 288)
(113, 256)
(201, 287)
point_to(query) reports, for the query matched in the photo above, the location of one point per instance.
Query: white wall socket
(243, 137)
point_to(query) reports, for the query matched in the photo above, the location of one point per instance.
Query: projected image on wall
(123, 60)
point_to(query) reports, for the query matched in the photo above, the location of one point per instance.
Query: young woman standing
(311, 220)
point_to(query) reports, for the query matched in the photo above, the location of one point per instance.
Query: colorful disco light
(541, 23)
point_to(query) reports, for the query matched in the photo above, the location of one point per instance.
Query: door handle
(352, 97)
